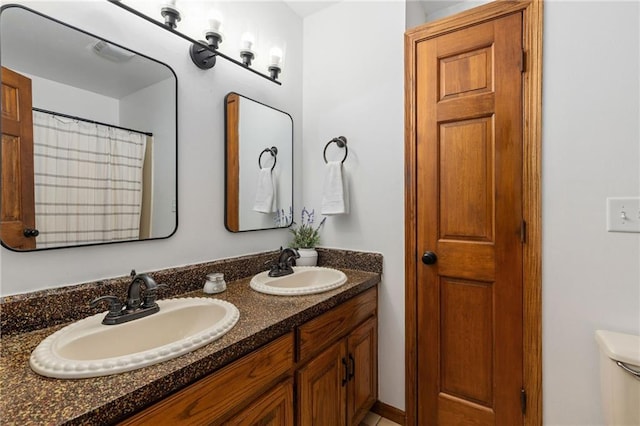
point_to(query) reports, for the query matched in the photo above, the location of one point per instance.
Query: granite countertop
(27, 398)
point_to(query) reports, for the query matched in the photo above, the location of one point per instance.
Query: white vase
(308, 257)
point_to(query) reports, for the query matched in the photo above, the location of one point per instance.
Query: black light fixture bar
(192, 41)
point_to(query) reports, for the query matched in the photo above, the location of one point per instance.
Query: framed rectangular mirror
(89, 137)
(259, 165)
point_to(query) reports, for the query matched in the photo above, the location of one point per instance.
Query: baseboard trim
(387, 411)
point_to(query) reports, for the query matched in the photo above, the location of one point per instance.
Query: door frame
(532, 11)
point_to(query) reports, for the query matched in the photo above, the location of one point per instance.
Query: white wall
(414, 14)
(353, 86)
(591, 278)
(65, 99)
(455, 7)
(201, 235)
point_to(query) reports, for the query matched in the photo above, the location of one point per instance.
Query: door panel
(456, 411)
(469, 212)
(466, 336)
(466, 73)
(466, 180)
(17, 211)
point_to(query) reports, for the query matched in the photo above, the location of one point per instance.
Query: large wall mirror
(259, 165)
(89, 138)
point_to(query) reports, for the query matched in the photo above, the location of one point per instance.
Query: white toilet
(620, 377)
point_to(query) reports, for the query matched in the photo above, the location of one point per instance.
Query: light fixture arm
(274, 71)
(195, 44)
(247, 56)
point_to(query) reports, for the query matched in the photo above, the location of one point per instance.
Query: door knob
(29, 232)
(429, 258)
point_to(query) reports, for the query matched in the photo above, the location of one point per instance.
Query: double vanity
(319, 350)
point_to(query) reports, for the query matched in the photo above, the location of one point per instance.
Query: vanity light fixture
(203, 53)
(170, 13)
(275, 62)
(246, 49)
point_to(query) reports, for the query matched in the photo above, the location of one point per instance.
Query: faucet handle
(115, 305)
(150, 295)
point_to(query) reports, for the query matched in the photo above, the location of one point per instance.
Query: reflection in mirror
(259, 165)
(89, 142)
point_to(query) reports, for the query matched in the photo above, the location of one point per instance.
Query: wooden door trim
(532, 163)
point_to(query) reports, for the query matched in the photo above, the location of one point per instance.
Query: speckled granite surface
(27, 398)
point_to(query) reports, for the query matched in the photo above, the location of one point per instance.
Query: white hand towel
(266, 192)
(335, 197)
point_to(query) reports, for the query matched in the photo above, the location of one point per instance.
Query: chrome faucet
(138, 304)
(286, 262)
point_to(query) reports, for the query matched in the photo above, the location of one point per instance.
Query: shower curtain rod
(90, 121)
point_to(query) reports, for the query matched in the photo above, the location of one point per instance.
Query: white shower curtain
(88, 181)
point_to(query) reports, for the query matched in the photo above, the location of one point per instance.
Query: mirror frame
(175, 229)
(229, 184)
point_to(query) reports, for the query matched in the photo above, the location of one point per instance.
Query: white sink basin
(304, 280)
(87, 348)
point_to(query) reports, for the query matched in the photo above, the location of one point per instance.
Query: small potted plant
(306, 238)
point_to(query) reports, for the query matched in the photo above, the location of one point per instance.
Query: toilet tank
(620, 389)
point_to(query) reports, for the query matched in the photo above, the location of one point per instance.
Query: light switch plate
(623, 214)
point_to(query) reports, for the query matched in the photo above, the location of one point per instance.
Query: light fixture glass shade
(275, 57)
(247, 41)
(215, 22)
(171, 4)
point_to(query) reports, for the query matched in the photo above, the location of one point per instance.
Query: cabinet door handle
(345, 378)
(352, 373)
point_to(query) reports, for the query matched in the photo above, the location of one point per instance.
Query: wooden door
(17, 208)
(362, 348)
(469, 216)
(322, 388)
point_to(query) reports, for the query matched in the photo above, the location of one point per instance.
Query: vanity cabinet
(338, 384)
(332, 358)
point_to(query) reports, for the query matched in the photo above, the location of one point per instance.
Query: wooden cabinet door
(322, 388)
(362, 391)
(275, 408)
(18, 208)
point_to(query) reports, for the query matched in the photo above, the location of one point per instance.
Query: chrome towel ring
(341, 141)
(274, 153)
